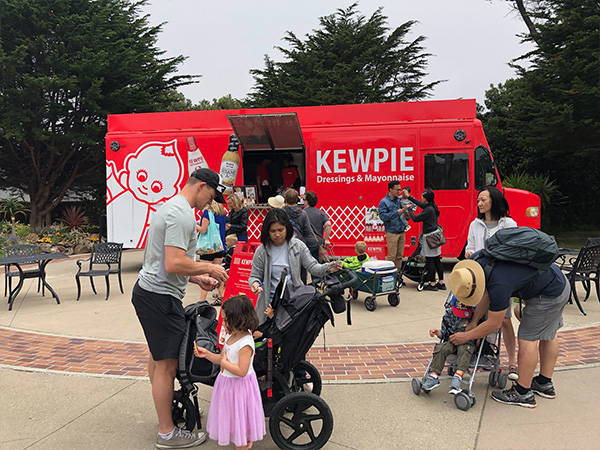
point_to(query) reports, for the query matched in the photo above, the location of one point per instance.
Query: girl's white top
(233, 353)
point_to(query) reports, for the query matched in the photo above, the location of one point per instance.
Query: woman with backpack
(493, 216)
(429, 216)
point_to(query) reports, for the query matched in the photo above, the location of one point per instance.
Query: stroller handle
(343, 285)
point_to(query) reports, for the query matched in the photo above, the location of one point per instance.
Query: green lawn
(574, 239)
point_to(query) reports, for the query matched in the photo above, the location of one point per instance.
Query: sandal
(217, 302)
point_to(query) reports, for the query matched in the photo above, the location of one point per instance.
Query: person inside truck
(429, 216)
(494, 215)
(289, 174)
(263, 180)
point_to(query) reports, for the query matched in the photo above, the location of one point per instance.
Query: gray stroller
(487, 357)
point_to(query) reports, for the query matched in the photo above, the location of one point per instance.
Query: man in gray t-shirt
(157, 296)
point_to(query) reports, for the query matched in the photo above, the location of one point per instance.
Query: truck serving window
(485, 169)
(447, 171)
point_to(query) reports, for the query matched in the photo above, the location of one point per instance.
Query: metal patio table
(42, 259)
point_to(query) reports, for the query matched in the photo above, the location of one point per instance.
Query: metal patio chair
(21, 250)
(106, 254)
(585, 268)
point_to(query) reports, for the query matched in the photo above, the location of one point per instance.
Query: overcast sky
(471, 41)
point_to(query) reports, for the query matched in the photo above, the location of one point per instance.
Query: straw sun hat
(276, 202)
(467, 282)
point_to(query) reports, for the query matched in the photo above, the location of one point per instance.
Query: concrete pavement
(56, 411)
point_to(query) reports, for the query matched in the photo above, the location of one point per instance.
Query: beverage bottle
(230, 164)
(195, 157)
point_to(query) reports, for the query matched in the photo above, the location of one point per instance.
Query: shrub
(73, 217)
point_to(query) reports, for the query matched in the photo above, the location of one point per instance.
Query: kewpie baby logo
(149, 177)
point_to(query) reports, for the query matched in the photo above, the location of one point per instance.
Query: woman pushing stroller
(280, 251)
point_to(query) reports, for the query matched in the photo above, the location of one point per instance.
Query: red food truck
(346, 154)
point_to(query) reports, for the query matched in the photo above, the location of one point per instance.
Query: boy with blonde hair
(356, 262)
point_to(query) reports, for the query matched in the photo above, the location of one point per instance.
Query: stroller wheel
(306, 378)
(420, 286)
(370, 303)
(394, 299)
(462, 401)
(184, 411)
(502, 380)
(416, 384)
(301, 421)
(472, 397)
(493, 378)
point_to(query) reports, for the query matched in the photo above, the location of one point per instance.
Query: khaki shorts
(542, 316)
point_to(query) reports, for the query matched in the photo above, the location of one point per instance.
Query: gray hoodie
(261, 270)
(479, 232)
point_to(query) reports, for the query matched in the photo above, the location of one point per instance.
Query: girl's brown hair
(239, 314)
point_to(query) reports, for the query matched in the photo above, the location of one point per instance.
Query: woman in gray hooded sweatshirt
(280, 251)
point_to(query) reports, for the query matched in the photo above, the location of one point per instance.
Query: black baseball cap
(213, 179)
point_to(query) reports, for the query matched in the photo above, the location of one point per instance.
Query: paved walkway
(108, 403)
(25, 349)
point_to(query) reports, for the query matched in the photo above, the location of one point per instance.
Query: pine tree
(547, 120)
(64, 65)
(349, 59)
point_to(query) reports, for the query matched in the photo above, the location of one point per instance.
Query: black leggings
(433, 264)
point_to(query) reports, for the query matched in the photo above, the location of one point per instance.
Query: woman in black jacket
(237, 219)
(429, 217)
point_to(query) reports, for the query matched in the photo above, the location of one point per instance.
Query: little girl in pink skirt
(236, 414)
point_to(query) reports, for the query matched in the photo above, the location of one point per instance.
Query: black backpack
(522, 245)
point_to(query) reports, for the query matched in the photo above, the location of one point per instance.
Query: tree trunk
(533, 32)
(40, 217)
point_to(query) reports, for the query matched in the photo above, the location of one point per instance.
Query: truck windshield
(485, 169)
(449, 171)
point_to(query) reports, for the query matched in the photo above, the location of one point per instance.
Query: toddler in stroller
(298, 419)
(460, 358)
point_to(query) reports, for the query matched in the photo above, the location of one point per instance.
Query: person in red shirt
(263, 181)
(290, 175)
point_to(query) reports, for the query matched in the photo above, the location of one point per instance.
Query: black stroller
(414, 268)
(487, 357)
(289, 386)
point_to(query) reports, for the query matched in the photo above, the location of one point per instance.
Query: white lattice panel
(347, 222)
(256, 218)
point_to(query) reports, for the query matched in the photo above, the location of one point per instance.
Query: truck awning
(268, 131)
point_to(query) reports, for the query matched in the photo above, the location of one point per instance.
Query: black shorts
(212, 256)
(163, 320)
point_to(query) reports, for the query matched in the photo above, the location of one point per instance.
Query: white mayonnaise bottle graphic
(230, 164)
(195, 157)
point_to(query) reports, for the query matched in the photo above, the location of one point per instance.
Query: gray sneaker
(512, 397)
(430, 383)
(181, 439)
(545, 390)
(455, 385)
